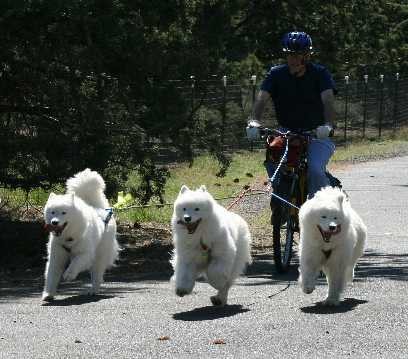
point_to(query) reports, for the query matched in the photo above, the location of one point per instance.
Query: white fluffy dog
(208, 239)
(82, 233)
(332, 238)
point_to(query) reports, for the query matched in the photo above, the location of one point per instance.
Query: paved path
(268, 316)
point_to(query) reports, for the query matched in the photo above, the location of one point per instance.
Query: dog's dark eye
(184, 209)
(63, 212)
(324, 217)
(196, 209)
(52, 212)
(334, 217)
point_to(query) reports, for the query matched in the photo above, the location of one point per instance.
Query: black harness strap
(327, 254)
(108, 216)
(68, 249)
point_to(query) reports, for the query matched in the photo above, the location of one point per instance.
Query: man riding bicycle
(303, 96)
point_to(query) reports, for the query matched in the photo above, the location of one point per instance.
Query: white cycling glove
(253, 130)
(324, 131)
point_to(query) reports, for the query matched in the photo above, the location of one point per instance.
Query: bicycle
(288, 151)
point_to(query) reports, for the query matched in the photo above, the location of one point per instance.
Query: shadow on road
(210, 313)
(382, 265)
(345, 306)
(23, 283)
(372, 265)
(32, 287)
(264, 268)
(77, 300)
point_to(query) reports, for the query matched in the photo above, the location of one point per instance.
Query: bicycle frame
(286, 211)
(298, 171)
(298, 183)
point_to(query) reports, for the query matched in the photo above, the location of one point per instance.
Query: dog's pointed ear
(51, 196)
(183, 189)
(203, 188)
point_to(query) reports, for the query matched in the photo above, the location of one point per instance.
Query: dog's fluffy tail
(89, 186)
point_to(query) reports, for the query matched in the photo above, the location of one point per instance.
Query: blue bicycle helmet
(296, 42)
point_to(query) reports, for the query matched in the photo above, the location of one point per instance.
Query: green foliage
(226, 189)
(90, 83)
(203, 171)
(150, 183)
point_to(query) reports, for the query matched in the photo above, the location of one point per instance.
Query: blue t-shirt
(297, 100)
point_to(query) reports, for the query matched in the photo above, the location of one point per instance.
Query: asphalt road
(267, 316)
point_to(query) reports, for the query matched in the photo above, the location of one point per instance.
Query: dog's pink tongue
(191, 228)
(48, 227)
(53, 228)
(326, 235)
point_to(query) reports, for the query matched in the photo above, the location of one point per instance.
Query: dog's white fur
(78, 233)
(336, 256)
(208, 239)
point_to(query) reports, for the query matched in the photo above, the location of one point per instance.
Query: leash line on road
(280, 291)
(274, 294)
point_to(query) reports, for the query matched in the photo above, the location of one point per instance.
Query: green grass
(246, 168)
(205, 168)
(18, 198)
(370, 149)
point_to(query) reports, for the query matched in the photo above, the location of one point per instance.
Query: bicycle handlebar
(269, 131)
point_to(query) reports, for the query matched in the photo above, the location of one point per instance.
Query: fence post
(224, 109)
(253, 82)
(346, 78)
(395, 103)
(380, 119)
(365, 104)
(192, 79)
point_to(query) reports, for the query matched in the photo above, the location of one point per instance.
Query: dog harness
(109, 215)
(105, 214)
(206, 251)
(68, 249)
(327, 253)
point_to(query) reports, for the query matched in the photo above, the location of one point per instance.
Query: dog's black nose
(54, 222)
(187, 218)
(332, 227)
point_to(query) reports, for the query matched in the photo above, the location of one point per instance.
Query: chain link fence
(370, 106)
(217, 110)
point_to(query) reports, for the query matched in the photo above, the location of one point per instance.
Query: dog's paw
(217, 301)
(331, 302)
(46, 297)
(308, 288)
(90, 292)
(181, 292)
(69, 275)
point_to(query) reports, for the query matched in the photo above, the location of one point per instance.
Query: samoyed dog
(82, 233)
(208, 239)
(332, 239)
